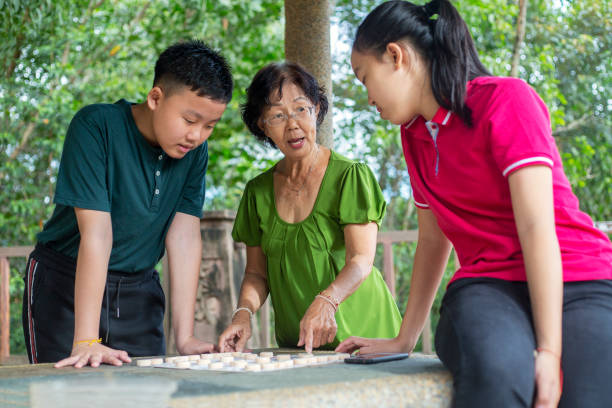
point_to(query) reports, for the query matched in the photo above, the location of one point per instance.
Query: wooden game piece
(321, 359)
(283, 357)
(266, 354)
(300, 361)
(143, 363)
(215, 365)
(251, 357)
(204, 362)
(253, 367)
(305, 355)
(227, 359)
(193, 357)
(157, 361)
(263, 360)
(170, 359)
(241, 364)
(207, 356)
(286, 364)
(181, 359)
(182, 364)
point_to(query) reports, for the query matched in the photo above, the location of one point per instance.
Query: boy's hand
(194, 345)
(94, 355)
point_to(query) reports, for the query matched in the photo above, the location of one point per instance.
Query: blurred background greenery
(59, 56)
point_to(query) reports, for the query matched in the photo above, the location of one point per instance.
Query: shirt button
(157, 173)
(156, 191)
(161, 156)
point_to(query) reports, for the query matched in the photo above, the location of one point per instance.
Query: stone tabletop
(419, 381)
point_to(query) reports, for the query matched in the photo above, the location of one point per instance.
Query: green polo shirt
(107, 165)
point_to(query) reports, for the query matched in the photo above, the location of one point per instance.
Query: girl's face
(396, 82)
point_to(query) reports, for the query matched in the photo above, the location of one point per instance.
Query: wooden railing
(5, 296)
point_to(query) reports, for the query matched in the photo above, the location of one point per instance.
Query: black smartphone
(375, 358)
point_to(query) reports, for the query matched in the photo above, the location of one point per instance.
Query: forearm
(184, 263)
(90, 280)
(543, 268)
(253, 292)
(430, 261)
(351, 276)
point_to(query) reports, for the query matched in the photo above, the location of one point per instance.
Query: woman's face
(291, 122)
(394, 82)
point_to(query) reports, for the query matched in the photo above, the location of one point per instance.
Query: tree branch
(572, 125)
(24, 138)
(520, 37)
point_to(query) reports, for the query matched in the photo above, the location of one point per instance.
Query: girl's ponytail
(438, 33)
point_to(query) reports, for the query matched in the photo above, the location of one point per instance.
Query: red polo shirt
(460, 174)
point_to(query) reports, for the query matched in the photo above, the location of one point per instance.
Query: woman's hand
(548, 380)
(369, 346)
(318, 326)
(84, 354)
(234, 338)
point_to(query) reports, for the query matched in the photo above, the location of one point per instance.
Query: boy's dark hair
(197, 66)
(270, 78)
(439, 34)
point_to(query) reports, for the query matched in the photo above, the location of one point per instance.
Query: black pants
(485, 337)
(131, 317)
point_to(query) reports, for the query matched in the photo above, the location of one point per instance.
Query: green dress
(306, 257)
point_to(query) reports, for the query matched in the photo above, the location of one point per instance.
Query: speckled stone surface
(419, 381)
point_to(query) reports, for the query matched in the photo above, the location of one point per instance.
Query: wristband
(89, 342)
(242, 308)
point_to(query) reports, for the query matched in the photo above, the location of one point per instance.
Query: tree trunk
(307, 43)
(520, 37)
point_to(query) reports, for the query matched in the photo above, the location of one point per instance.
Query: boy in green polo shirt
(130, 184)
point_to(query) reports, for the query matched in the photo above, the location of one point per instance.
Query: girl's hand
(84, 354)
(369, 346)
(234, 338)
(548, 380)
(318, 326)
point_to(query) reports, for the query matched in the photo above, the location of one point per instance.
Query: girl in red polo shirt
(534, 291)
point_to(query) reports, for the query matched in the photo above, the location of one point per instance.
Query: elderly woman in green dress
(310, 225)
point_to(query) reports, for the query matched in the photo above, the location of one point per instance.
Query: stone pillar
(307, 42)
(221, 274)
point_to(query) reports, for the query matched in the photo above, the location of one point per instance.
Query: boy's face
(182, 120)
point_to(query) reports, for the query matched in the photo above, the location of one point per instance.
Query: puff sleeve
(361, 199)
(246, 225)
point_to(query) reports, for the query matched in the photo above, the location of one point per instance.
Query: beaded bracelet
(242, 308)
(89, 342)
(328, 301)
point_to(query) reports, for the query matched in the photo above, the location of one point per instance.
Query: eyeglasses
(301, 113)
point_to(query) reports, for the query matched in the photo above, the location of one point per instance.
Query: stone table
(419, 381)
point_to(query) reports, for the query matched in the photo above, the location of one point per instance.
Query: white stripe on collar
(446, 118)
(411, 122)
